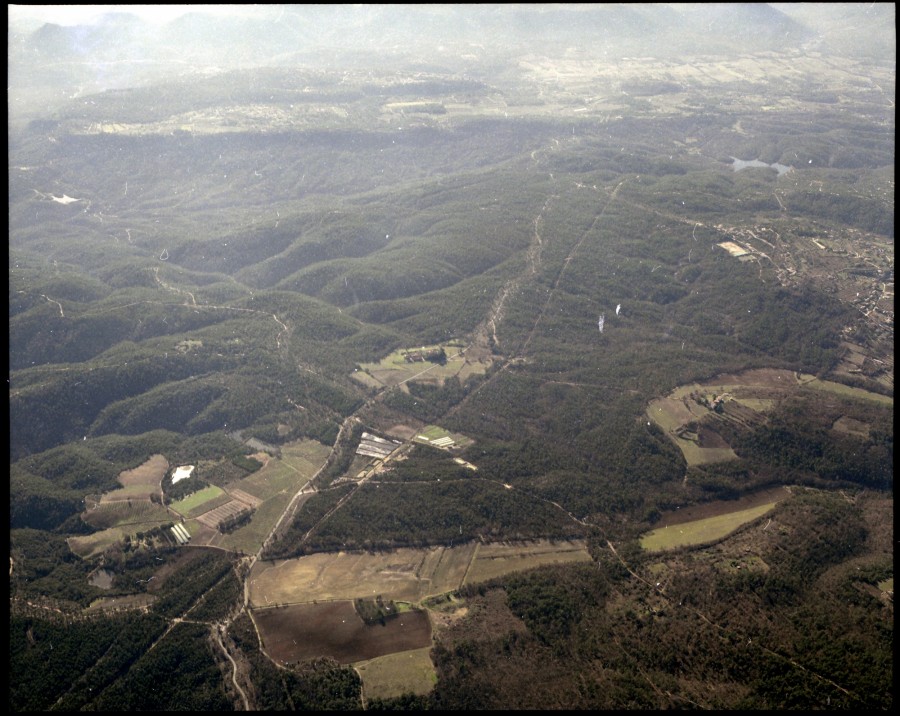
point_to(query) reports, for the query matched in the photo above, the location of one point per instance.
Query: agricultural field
(401, 575)
(690, 413)
(303, 607)
(140, 482)
(93, 545)
(128, 601)
(707, 523)
(267, 492)
(151, 473)
(125, 511)
(189, 505)
(409, 364)
(403, 672)
(263, 238)
(404, 574)
(810, 381)
(292, 633)
(249, 537)
(497, 559)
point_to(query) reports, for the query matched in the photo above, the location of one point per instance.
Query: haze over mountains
(53, 62)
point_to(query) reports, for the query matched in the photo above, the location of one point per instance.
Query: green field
(249, 537)
(396, 674)
(394, 369)
(495, 560)
(196, 499)
(116, 514)
(810, 381)
(701, 531)
(298, 463)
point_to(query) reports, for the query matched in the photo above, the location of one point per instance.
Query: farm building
(182, 536)
(736, 250)
(374, 446)
(444, 442)
(434, 355)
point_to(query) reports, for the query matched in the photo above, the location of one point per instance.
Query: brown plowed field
(334, 629)
(215, 516)
(245, 497)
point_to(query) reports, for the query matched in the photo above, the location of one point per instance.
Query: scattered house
(718, 401)
(434, 355)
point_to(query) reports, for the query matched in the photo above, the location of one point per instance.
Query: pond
(739, 164)
(101, 578)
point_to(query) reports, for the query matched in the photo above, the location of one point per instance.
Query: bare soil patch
(150, 473)
(334, 629)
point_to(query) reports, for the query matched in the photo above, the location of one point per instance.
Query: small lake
(101, 578)
(739, 164)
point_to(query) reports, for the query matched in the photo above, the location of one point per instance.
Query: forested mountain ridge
(207, 270)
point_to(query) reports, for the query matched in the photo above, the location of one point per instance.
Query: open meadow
(702, 524)
(409, 364)
(403, 574)
(404, 672)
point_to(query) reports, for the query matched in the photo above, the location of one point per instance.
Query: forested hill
(611, 280)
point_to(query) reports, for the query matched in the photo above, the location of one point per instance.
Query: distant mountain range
(120, 49)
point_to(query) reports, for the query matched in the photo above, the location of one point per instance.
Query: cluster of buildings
(374, 446)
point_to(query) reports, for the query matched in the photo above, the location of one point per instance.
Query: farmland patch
(113, 514)
(810, 381)
(401, 575)
(334, 629)
(197, 499)
(495, 560)
(433, 364)
(396, 674)
(87, 546)
(851, 427)
(706, 523)
(249, 537)
(149, 474)
(691, 414)
(124, 602)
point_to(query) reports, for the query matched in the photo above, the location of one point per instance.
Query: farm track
(193, 304)
(496, 313)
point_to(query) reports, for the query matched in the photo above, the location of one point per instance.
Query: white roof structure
(182, 536)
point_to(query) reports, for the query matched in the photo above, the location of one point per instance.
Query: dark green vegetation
(374, 611)
(239, 245)
(579, 638)
(73, 661)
